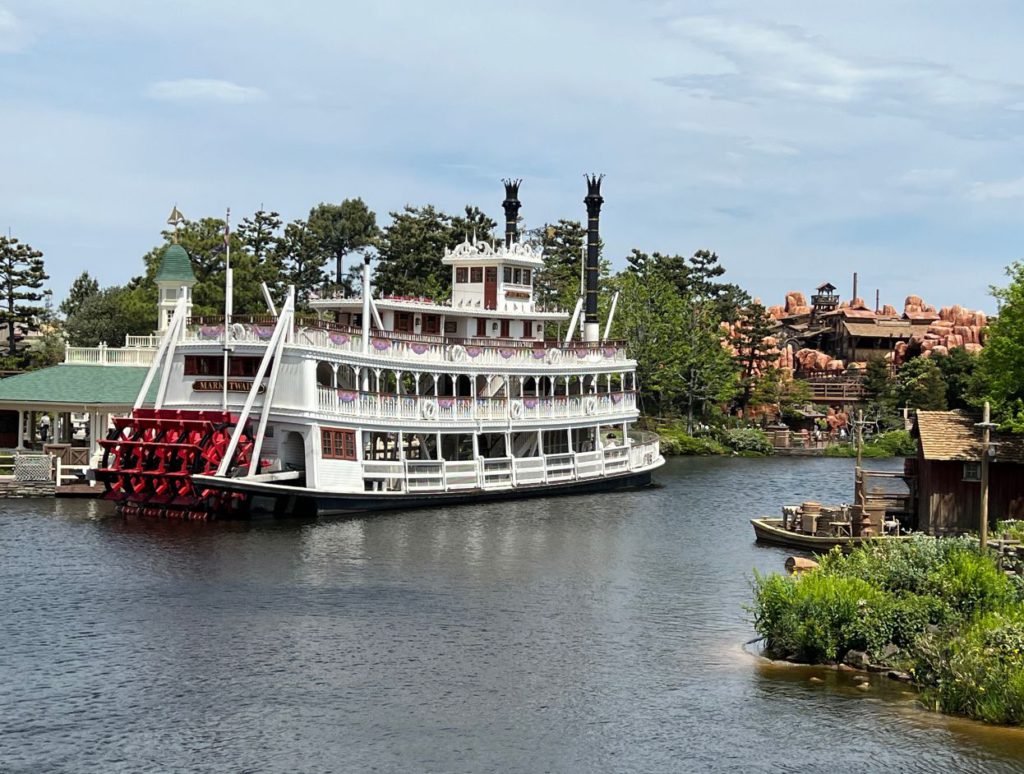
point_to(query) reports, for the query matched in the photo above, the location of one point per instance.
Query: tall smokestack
(511, 206)
(594, 200)
(854, 288)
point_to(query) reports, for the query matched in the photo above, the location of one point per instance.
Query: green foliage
(935, 606)
(301, 257)
(957, 369)
(22, 274)
(411, 247)
(881, 392)
(558, 282)
(1000, 372)
(895, 443)
(777, 388)
(980, 672)
(747, 440)
(750, 342)
(112, 314)
(82, 288)
(920, 385)
(681, 364)
(676, 442)
(340, 229)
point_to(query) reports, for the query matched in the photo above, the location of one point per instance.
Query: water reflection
(599, 633)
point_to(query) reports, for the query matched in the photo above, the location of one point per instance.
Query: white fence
(109, 356)
(367, 405)
(508, 472)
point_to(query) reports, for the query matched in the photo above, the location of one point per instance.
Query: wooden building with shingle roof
(948, 473)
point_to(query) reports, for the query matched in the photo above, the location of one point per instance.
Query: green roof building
(173, 278)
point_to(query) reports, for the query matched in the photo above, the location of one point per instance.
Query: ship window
(507, 274)
(461, 274)
(481, 326)
(337, 444)
(431, 323)
(517, 277)
(214, 365)
(527, 329)
(476, 274)
(505, 329)
(526, 276)
(403, 322)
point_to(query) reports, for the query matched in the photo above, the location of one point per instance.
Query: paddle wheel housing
(149, 459)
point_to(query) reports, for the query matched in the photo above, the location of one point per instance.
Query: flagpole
(228, 305)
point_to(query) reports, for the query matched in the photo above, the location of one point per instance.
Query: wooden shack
(948, 473)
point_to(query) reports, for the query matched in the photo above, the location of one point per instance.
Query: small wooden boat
(771, 531)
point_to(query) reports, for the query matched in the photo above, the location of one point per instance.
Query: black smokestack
(593, 201)
(511, 205)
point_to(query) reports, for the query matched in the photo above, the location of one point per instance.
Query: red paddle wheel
(149, 459)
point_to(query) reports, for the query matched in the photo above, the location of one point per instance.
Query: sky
(802, 141)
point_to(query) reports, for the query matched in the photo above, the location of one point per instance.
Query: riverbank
(752, 442)
(931, 611)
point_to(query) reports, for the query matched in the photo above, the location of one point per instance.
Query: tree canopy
(22, 275)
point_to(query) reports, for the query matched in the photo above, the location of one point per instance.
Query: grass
(935, 608)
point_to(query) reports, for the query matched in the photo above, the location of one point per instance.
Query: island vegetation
(933, 611)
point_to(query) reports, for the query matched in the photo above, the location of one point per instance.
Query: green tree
(258, 233)
(301, 258)
(1000, 372)
(557, 283)
(880, 387)
(111, 315)
(957, 369)
(750, 341)
(777, 388)
(474, 222)
(411, 248)
(83, 287)
(22, 274)
(919, 385)
(342, 229)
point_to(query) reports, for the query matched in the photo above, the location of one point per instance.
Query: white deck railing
(372, 405)
(111, 356)
(508, 472)
(424, 349)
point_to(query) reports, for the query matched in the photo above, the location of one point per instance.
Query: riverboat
(773, 531)
(386, 403)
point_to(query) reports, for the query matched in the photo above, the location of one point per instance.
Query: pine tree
(22, 274)
(301, 259)
(558, 282)
(82, 288)
(411, 248)
(258, 233)
(880, 390)
(750, 342)
(342, 229)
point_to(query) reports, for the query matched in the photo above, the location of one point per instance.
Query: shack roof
(953, 435)
(886, 329)
(75, 385)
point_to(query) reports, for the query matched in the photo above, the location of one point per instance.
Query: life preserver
(554, 355)
(590, 405)
(238, 331)
(429, 409)
(458, 353)
(517, 409)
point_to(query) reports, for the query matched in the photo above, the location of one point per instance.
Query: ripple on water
(595, 633)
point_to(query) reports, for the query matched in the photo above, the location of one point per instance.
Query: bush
(747, 440)
(979, 673)
(676, 442)
(897, 443)
(935, 606)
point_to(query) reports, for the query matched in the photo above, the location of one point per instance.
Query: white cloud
(204, 90)
(997, 190)
(14, 36)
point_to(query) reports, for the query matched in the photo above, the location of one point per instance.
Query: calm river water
(587, 634)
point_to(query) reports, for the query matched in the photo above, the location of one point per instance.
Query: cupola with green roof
(174, 278)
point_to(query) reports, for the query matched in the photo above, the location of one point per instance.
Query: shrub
(978, 673)
(748, 440)
(896, 443)
(676, 442)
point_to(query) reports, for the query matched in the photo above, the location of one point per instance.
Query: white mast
(228, 305)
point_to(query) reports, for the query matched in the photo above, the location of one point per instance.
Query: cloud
(14, 36)
(998, 190)
(781, 62)
(204, 90)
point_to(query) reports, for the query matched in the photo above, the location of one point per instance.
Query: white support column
(21, 429)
